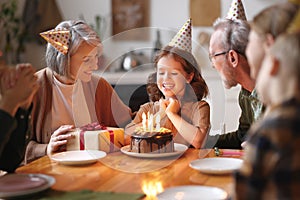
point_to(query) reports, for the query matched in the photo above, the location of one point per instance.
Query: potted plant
(12, 33)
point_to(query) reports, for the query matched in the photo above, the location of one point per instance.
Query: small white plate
(216, 165)
(179, 149)
(78, 157)
(193, 192)
(15, 185)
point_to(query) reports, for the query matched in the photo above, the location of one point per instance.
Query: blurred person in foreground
(17, 87)
(266, 26)
(271, 164)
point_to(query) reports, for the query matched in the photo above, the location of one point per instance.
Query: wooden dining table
(121, 173)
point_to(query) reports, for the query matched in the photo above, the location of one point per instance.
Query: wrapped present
(96, 137)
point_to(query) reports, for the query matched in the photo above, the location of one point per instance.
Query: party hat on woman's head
(183, 39)
(295, 24)
(236, 11)
(295, 2)
(59, 38)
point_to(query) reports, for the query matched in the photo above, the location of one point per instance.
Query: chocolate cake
(156, 141)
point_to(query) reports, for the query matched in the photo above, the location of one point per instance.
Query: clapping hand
(18, 86)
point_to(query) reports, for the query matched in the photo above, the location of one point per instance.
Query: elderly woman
(70, 95)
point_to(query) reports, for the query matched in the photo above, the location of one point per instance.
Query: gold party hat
(183, 39)
(295, 24)
(236, 11)
(295, 2)
(58, 38)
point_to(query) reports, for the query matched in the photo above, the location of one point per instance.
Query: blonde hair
(288, 43)
(274, 20)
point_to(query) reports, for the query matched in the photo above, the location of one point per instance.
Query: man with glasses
(227, 54)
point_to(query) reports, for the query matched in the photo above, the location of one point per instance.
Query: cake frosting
(154, 141)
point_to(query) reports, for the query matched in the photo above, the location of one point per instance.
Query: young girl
(182, 108)
(70, 94)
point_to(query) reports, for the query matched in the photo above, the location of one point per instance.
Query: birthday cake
(150, 137)
(156, 141)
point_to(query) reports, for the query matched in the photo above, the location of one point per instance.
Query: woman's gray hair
(80, 31)
(235, 35)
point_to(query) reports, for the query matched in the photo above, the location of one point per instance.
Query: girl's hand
(59, 139)
(163, 103)
(173, 106)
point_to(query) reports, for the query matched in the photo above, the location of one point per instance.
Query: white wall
(169, 15)
(164, 13)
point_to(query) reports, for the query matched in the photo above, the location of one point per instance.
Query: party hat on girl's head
(295, 24)
(236, 11)
(183, 39)
(58, 38)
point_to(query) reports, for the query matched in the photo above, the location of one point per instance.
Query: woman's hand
(59, 139)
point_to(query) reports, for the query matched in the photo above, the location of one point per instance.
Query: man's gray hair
(80, 31)
(235, 34)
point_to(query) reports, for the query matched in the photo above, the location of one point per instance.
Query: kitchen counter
(139, 76)
(126, 77)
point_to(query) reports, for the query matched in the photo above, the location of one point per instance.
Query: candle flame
(152, 188)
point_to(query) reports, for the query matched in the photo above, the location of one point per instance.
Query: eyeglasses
(217, 54)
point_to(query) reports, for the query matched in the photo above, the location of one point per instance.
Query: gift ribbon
(111, 138)
(93, 127)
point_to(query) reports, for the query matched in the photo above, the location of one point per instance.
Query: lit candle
(148, 117)
(157, 121)
(144, 117)
(150, 123)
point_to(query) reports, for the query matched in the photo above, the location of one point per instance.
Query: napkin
(91, 195)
